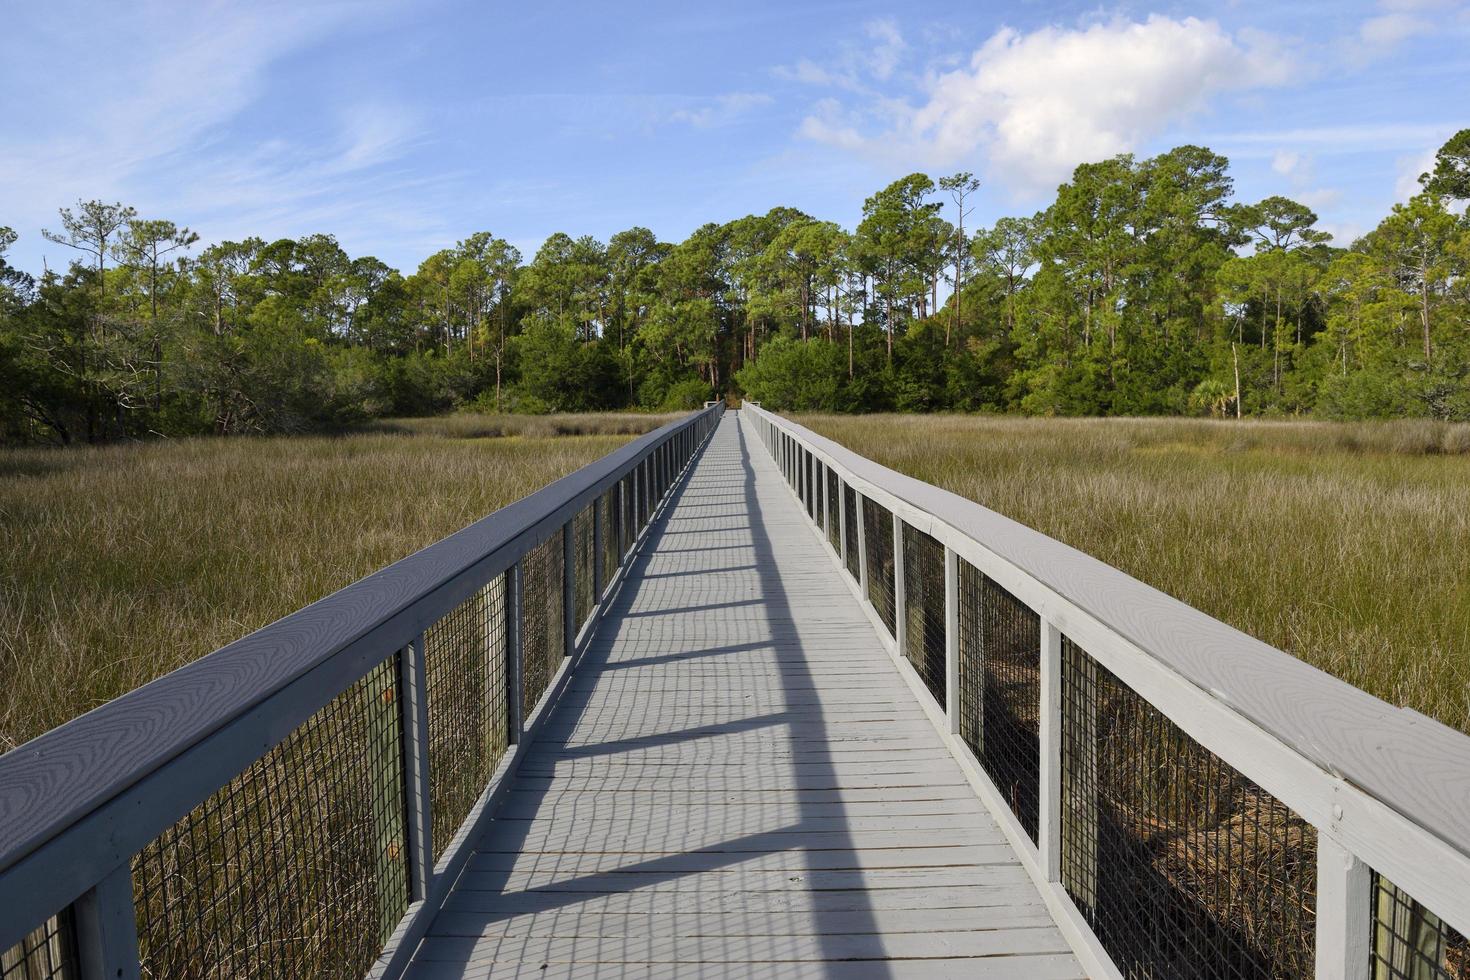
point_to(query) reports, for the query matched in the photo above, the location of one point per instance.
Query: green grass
(121, 563)
(1345, 545)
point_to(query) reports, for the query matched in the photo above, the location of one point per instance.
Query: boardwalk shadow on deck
(509, 836)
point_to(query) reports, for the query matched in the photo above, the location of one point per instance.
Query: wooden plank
(581, 923)
(630, 950)
(738, 774)
(496, 906)
(1040, 967)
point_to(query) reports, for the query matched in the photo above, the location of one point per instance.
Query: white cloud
(149, 124)
(887, 50)
(854, 66)
(1409, 168)
(1038, 104)
(724, 109)
(1396, 22)
(1285, 162)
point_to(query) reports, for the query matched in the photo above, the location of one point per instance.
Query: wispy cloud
(855, 66)
(720, 111)
(150, 122)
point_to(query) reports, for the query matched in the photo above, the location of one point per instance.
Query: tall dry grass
(121, 563)
(1347, 545)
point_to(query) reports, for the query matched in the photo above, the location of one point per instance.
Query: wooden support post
(599, 573)
(513, 655)
(414, 705)
(1049, 831)
(107, 928)
(569, 587)
(900, 600)
(1344, 913)
(952, 639)
(862, 540)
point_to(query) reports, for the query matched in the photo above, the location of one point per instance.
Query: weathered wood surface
(737, 783)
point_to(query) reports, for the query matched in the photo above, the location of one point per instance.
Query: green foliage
(796, 375)
(1143, 289)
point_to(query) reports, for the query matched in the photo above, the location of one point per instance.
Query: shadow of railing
(500, 875)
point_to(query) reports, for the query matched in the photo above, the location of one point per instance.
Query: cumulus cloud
(1037, 104)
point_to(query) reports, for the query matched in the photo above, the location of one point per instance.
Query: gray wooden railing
(271, 808)
(1190, 801)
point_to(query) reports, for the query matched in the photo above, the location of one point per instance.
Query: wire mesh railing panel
(849, 514)
(466, 679)
(1412, 943)
(543, 641)
(878, 542)
(582, 554)
(611, 547)
(923, 609)
(1182, 866)
(1000, 690)
(834, 498)
(48, 952)
(298, 866)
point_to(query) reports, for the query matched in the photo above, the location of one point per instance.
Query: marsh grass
(1345, 545)
(121, 563)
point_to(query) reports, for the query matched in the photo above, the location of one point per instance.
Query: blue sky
(402, 127)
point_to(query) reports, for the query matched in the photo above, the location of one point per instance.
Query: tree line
(1144, 288)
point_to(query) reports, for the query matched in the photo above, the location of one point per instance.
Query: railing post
(569, 587)
(952, 639)
(513, 665)
(1049, 827)
(862, 540)
(1344, 913)
(599, 573)
(107, 928)
(900, 600)
(414, 703)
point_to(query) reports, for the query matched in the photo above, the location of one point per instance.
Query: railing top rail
(1411, 764)
(57, 779)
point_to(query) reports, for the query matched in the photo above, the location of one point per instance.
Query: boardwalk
(738, 783)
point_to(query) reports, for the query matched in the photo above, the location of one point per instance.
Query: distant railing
(1190, 801)
(297, 803)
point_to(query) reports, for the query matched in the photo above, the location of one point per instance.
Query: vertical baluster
(107, 928)
(1049, 834)
(900, 600)
(952, 639)
(1344, 913)
(414, 703)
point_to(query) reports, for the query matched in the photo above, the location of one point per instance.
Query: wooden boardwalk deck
(738, 783)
